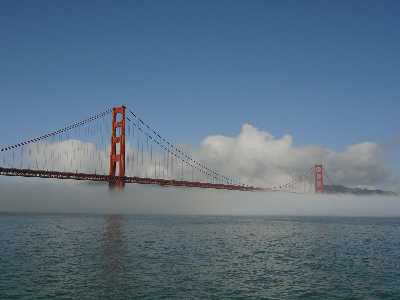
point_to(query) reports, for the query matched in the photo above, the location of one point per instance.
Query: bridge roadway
(138, 180)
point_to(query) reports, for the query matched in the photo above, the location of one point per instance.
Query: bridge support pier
(117, 152)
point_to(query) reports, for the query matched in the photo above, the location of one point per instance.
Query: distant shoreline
(340, 189)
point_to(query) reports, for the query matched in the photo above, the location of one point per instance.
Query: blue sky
(326, 72)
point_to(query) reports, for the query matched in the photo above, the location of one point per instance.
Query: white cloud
(264, 160)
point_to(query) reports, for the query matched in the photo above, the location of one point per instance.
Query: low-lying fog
(43, 195)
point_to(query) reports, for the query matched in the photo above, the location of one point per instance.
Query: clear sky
(327, 72)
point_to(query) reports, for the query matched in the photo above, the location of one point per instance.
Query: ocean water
(46, 256)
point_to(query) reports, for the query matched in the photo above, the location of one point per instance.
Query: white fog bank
(42, 195)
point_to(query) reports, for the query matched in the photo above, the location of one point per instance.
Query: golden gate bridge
(131, 152)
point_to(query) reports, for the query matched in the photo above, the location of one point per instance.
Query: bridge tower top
(117, 152)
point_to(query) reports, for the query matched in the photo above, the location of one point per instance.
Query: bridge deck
(106, 178)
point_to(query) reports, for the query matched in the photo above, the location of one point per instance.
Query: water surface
(198, 257)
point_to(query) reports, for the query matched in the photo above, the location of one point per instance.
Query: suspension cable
(180, 152)
(59, 131)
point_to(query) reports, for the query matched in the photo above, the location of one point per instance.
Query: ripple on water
(176, 257)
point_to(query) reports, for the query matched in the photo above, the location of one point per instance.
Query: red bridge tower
(117, 153)
(319, 178)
